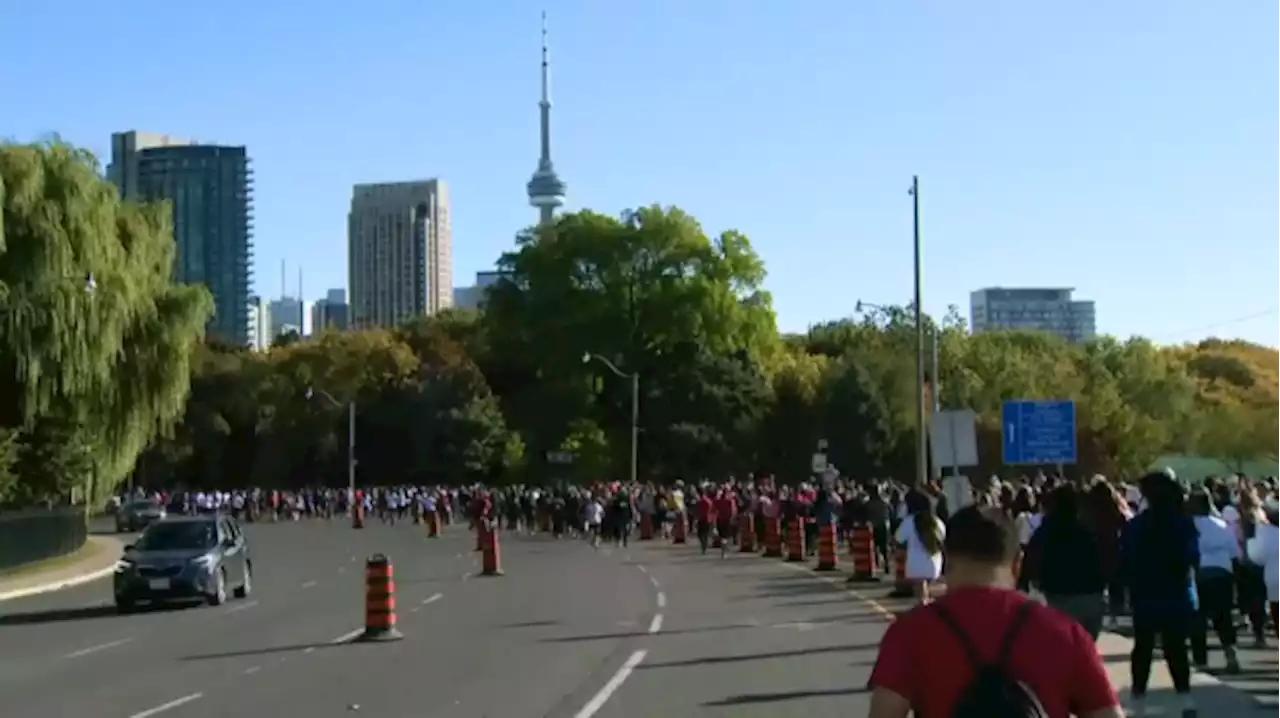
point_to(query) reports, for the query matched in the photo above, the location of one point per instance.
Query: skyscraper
(399, 247)
(546, 190)
(210, 189)
(330, 313)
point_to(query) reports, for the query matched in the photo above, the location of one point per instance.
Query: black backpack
(993, 692)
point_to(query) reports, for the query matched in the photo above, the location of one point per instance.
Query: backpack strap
(950, 622)
(1019, 618)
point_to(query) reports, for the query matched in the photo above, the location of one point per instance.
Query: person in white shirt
(594, 517)
(1264, 550)
(922, 533)
(1215, 583)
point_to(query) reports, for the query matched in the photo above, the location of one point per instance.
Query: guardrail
(37, 534)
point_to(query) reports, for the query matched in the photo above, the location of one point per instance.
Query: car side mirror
(229, 543)
(128, 547)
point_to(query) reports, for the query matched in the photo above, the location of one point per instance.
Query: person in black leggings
(1159, 555)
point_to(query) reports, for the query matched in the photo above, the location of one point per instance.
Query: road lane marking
(642, 568)
(241, 607)
(654, 581)
(309, 649)
(252, 670)
(349, 635)
(662, 600)
(656, 624)
(597, 701)
(840, 586)
(432, 598)
(309, 584)
(466, 576)
(99, 647)
(168, 706)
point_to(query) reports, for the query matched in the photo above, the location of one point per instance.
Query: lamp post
(351, 438)
(635, 408)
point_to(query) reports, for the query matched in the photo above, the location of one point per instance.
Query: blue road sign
(1039, 432)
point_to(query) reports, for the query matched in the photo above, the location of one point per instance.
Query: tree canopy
(116, 383)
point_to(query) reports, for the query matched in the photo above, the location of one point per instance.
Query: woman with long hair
(1251, 588)
(922, 532)
(1105, 511)
(1063, 560)
(1026, 518)
(1159, 553)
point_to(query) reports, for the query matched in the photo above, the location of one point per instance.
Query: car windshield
(144, 505)
(178, 536)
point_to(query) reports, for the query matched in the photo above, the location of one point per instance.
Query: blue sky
(1127, 149)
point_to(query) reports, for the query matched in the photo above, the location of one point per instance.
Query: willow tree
(94, 335)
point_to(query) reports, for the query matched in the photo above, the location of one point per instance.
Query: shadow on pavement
(83, 613)
(643, 632)
(753, 698)
(530, 624)
(265, 651)
(704, 660)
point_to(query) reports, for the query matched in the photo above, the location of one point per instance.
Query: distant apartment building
(287, 315)
(472, 297)
(259, 324)
(331, 313)
(1051, 310)
(399, 250)
(210, 188)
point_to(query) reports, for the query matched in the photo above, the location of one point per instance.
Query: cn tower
(546, 190)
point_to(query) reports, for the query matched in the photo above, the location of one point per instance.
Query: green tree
(92, 329)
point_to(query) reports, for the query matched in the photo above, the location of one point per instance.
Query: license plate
(159, 584)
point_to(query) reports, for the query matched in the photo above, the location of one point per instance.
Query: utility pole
(922, 437)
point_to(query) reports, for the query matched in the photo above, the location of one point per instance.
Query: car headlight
(205, 562)
(124, 565)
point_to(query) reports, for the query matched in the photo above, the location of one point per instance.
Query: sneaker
(1233, 661)
(1137, 706)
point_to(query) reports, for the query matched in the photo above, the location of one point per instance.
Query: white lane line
(432, 598)
(309, 584)
(597, 701)
(654, 581)
(99, 647)
(252, 670)
(466, 576)
(168, 706)
(309, 649)
(662, 600)
(642, 568)
(241, 607)
(656, 624)
(349, 635)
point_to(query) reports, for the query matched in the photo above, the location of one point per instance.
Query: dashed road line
(662, 600)
(171, 705)
(99, 647)
(309, 584)
(642, 568)
(839, 585)
(241, 607)
(597, 701)
(252, 670)
(348, 636)
(656, 624)
(654, 581)
(432, 598)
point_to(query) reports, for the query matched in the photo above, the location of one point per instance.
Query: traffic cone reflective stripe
(379, 601)
(862, 551)
(827, 554)
(901, 587)
(773, 537)
(795, 540)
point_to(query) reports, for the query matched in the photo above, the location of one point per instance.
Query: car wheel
(124, 605)
(246, 587)
(219, 595)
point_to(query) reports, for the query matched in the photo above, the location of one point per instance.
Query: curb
(65, 583)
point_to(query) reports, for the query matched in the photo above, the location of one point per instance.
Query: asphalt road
(653, 629)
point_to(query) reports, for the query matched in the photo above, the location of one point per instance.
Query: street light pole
(635, 408)
(922, 440)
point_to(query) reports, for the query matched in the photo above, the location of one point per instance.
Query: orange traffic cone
(827, 554)
(862, 550)
(773, 537)
(901, 587)
(746, 534)
(491, 556)
(795, 541)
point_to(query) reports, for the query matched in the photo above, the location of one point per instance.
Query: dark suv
(185, 558)
(138, 514)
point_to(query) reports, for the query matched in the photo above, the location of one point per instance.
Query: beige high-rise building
(399, 252)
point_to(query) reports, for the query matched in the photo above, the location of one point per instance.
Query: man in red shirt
(923, 667)
(706, 513)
